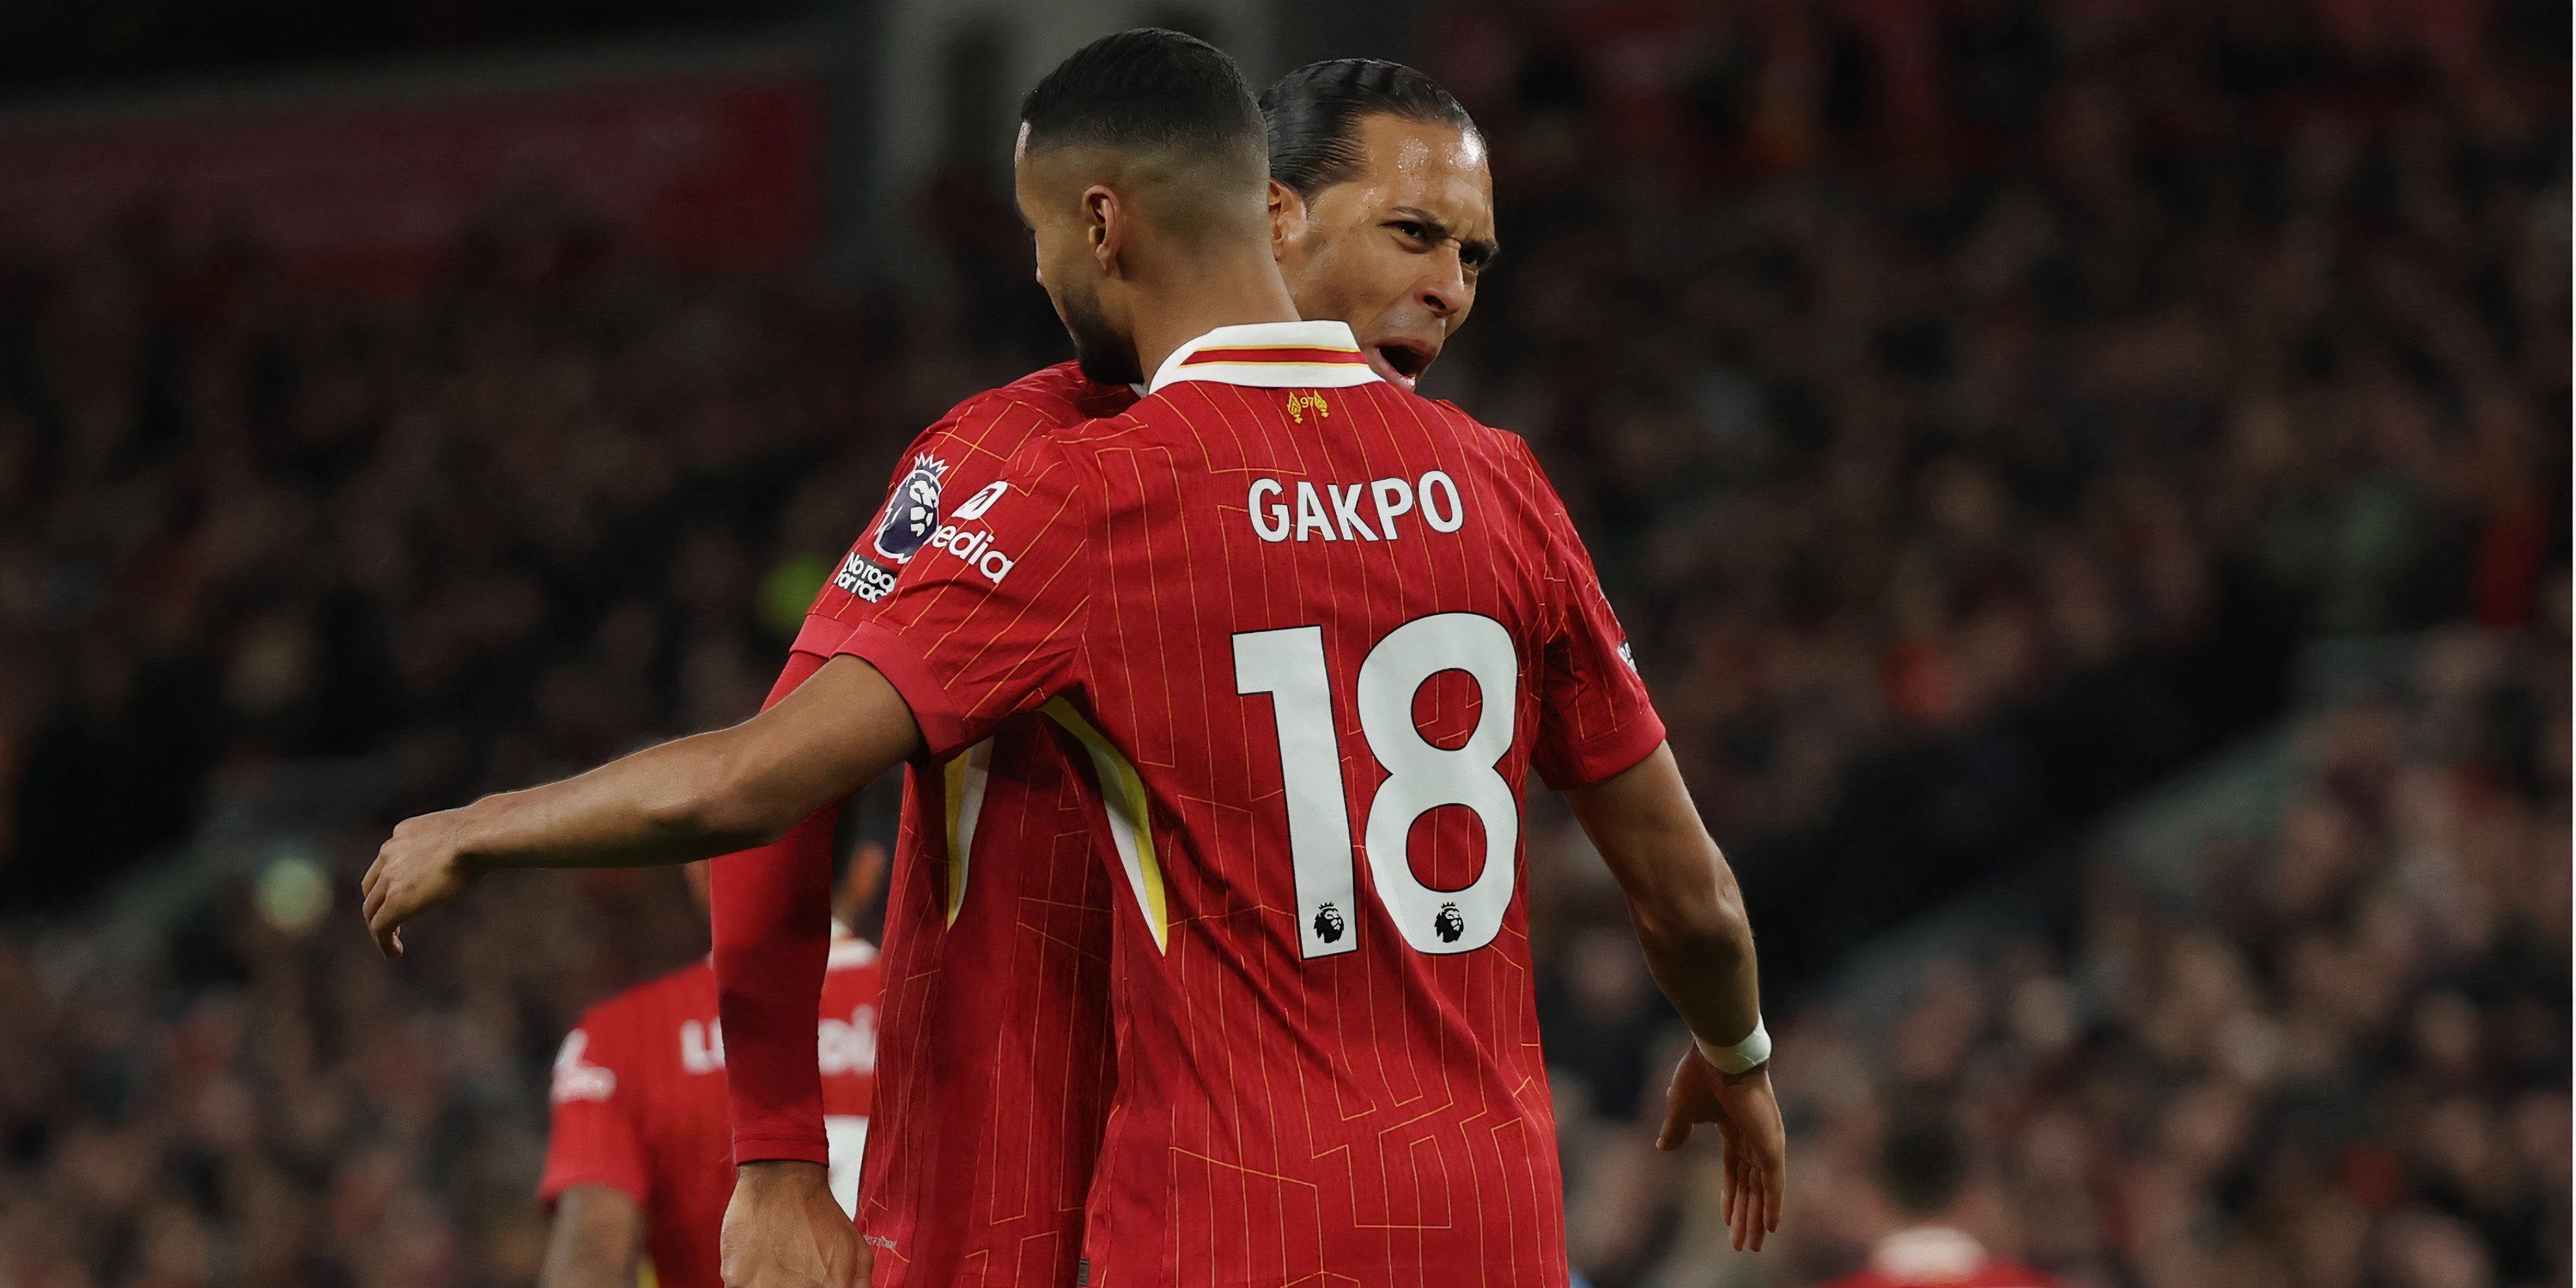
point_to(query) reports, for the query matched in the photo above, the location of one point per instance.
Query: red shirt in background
(640, 1105)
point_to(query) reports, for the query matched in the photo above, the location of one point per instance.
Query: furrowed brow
(1479, 251)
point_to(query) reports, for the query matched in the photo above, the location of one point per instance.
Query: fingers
(1680, 1110)
(375, 889)
(386, 911)
(1739, 1215)
(388, 935)
(1775, 1188)
(1676, 1131)
(1760, 1217)
(1752, 1210)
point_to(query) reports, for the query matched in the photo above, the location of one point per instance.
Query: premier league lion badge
(1450, 924)
(913, 511)
(1328, 924)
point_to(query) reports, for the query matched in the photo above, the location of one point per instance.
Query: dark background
(2087, 483)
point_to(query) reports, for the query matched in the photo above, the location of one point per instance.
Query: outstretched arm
(694, 798)
(1682, 897)
(1689, 915)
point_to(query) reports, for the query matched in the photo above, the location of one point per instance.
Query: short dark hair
(1146, 89)
(1313, 115)
(1923, 1164)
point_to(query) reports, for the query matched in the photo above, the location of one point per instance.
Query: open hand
(1747, 1115)
(421, 866)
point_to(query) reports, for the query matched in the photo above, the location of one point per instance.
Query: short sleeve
(986, 622)
(1595, 718)
(592, 1137)
(974, 438)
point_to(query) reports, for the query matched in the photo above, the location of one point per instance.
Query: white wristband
(1753, 1050)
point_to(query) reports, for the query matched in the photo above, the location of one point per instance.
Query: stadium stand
(1978, 412)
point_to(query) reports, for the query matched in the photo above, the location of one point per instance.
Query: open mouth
(1401, 362)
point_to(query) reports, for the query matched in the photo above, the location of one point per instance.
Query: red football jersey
(1311, 634)
(640, 1106)
(992, 1089)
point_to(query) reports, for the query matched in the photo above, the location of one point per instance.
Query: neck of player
(1223, 287)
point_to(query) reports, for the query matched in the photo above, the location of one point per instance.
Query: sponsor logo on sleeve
(977, 504)
(975, 546)
(912, 513)
(865, 578)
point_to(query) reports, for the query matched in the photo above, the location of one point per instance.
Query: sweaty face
(1049, 193)
(1395, 250)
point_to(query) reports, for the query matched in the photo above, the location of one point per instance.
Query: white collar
(1929, 1252)
(1300, 355)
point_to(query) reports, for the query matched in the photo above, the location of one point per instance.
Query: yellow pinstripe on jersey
(1130, 826)
(966, 775)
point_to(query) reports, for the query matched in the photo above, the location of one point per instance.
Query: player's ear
(1104, 223)
(1287, 218)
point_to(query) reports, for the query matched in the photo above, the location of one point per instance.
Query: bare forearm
(691, 799)
(1700, 950)
(597, 1235)
(658, 806)
(1682, 897)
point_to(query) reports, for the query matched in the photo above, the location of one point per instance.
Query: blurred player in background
(1310, 1084)
(994, 1085)
(640, 1157)
(1923, 1170)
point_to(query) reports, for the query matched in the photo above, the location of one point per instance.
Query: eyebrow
(1481, 250)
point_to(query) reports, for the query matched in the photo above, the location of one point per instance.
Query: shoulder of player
(1509, 453)
(1459, 418)
(1072, 396)
(1047, 398)
(1501, 439)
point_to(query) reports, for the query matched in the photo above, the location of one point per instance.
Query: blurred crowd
(1984, 395)
(2336, 1057)
(1910, 362)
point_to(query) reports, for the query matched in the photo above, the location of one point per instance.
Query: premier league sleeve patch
(912, 513)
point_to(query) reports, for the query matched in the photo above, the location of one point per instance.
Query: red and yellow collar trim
(1270, 355)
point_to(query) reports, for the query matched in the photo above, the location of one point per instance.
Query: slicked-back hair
(1314, 113)
(1147, 90)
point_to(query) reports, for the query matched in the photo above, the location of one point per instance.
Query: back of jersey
(1312, 634)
